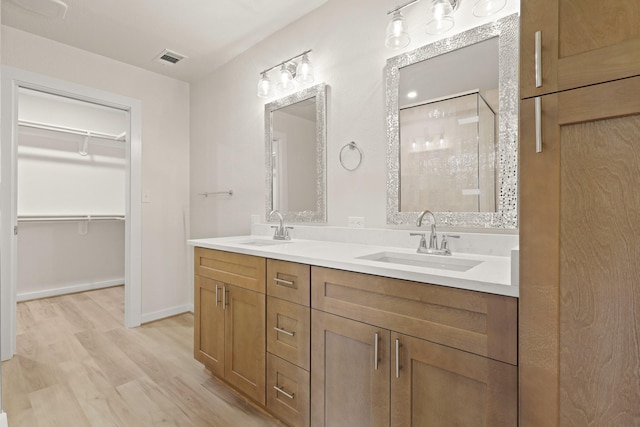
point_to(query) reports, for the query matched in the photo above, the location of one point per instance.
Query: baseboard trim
(172, 311)
(3, 420)
(48, 293)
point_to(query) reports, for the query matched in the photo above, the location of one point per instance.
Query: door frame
(12, 79)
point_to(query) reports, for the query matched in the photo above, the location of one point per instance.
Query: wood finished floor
(77, 365)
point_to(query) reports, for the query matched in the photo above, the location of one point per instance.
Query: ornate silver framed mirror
(295, 155)
(452, 129)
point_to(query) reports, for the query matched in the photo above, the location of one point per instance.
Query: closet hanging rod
(69, 218)
(45, 126)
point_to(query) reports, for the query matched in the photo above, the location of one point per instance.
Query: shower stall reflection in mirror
(15, 84)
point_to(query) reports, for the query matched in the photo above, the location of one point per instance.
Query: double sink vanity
(356, 327)
(332, 333)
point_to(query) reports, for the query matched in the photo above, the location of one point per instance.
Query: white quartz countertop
(492, 275)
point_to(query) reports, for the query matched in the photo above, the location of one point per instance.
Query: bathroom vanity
(325, 333)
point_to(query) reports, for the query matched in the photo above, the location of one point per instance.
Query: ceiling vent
(56, 9)
(169, 57)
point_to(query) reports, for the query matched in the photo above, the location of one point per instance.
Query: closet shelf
(45, 126)
(69, 218)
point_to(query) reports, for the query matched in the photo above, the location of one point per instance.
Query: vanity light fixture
(290, 72)
(439, 21)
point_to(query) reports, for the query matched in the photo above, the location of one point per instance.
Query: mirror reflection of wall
(294, 157)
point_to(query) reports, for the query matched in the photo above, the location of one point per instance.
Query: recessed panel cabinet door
(581, 42)
(245, 358)
(579, 233)
(209, 325)
(349, 384)
(434, 385)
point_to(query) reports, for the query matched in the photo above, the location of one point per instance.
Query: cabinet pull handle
(375, 351)
(284, 331)
(279, 390)
(283, 282)
(538, 58)
(217, 299)
(538, 107)
(224, 297)
(397, 358)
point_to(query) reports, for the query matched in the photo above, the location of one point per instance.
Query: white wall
(227, 118)
(165, 154)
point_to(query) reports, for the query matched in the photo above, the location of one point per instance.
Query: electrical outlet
(356, 221)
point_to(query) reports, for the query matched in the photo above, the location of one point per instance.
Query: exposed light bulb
(304, 71)
(265, 89)
(441, 19)
(397, 32)
(286, 78)
(484, 8)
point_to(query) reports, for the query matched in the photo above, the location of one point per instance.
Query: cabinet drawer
(294, 406)
(476, 322)
(291, 339)
(241, 270)
(289, 281)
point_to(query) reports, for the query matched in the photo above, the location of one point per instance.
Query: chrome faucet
(433, 238)
(281, 232)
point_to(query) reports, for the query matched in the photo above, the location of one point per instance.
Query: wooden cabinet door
(434, 385)
(579, 233)
(209, 324)
(348, 387)
(245, 341)
(583, 42)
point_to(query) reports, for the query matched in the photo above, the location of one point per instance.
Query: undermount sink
(265, 242)
(423, 260)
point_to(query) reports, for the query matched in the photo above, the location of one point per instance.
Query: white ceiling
(208, 32)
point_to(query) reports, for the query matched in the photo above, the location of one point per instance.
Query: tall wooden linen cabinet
(579, 213)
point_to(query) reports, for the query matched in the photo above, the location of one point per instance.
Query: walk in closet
(71, 195)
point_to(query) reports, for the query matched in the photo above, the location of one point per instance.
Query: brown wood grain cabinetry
(579, 234)
(583, 42)
(291, 400)
(348, 387)
(431, 376)
(289, 281)
(229, 333)
(432, 384)
(454, 362)
(288, 341)
(476, 322)
(288, 331)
